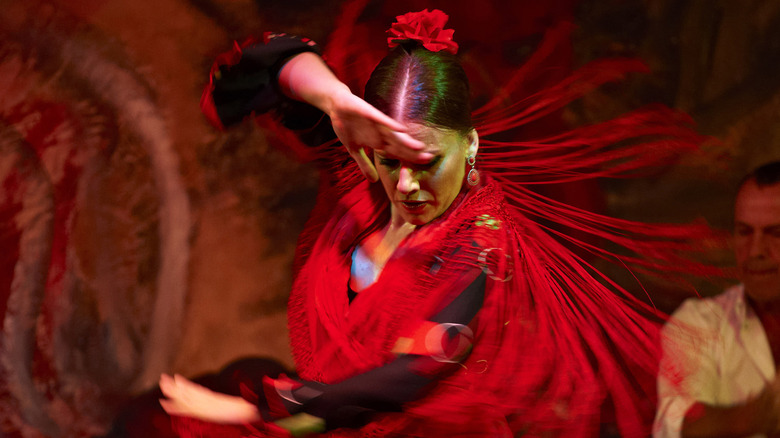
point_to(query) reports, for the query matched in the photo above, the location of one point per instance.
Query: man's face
(757, 240)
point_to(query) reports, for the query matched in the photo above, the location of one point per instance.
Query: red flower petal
(425, 26)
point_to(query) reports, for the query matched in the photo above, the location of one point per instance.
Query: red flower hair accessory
(425, 27)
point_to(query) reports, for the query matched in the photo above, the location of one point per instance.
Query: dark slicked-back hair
(765, 175)
(415, 85)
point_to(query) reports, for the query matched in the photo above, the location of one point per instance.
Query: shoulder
(712, 311)
(484, 211)
(484, 234)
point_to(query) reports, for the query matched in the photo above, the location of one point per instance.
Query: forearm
(186, 398)
(305, 77)
(243, 411)
(384, 389)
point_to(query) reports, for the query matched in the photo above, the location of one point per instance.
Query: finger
(344, 134)
(406, 147)
(166, 404)
(179, 379)
(170, 407)
(396, 137)
(370, 112)
(167, 386)
(386, 121)
(187, 389)
(365, 164)
(185, 383)
(355, 133)
(404, 139)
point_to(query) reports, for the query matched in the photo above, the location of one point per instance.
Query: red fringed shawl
(556, 343)
(559, 348)
(548, 342)
(333, 339)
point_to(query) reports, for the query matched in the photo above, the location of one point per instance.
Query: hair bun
(425, 28)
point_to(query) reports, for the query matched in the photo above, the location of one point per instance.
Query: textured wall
(135, 239)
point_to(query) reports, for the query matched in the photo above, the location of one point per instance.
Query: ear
(473, 143)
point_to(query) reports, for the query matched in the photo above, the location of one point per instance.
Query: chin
(417, 220)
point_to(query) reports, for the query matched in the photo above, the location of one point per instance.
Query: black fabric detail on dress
(466, 305)
(351, 294)
(250, 85)
(351, 403)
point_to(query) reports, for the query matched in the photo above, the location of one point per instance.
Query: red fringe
(558, 341)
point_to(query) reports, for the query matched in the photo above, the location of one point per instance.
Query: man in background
(718, 376)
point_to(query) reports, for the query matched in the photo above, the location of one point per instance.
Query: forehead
(758, 206)
(437, 141)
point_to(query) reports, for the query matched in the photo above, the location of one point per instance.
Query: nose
(758, 245)
(407, 181)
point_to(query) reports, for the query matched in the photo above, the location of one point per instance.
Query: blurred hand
(771, 397)
(188, 399)
(359, 126)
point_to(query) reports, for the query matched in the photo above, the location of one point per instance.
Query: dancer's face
(757, 240)
(419, 193)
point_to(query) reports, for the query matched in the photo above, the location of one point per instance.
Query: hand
(359, 125)
(186, 398)
(771, 403)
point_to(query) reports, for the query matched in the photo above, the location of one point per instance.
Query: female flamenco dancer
(435, 303)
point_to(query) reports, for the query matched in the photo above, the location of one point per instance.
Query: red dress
(553, 342)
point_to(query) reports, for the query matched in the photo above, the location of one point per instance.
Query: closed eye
(743, 230)
(390, 163)
(431, 163)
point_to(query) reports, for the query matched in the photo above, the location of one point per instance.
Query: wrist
(331, 101)
(305, 77)
(245, 412)
(763, 410)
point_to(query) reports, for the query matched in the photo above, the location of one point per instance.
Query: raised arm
(358, 125)
(299, 406)
(351, 402)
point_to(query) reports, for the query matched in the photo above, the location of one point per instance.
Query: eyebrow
(770, 227)
(385, 155)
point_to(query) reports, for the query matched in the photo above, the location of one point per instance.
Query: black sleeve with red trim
(351, 403)
(243, 82)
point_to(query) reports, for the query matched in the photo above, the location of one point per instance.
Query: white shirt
(715, 352)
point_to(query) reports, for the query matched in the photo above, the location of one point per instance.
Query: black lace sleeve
(351, 403)
(243, 82)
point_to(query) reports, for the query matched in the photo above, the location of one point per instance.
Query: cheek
(741, 252)
(774, 249)
(387, 178)
(448, 180)
(457, 172)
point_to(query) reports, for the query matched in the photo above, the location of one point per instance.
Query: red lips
(414, 206)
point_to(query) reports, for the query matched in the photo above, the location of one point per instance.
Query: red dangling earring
(473, 176)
